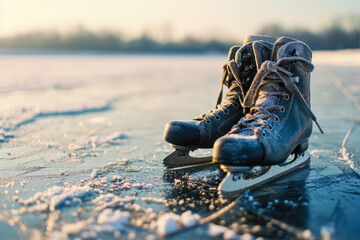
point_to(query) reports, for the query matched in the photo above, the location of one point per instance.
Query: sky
(171, 20)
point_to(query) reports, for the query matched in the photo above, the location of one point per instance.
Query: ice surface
(11, 119)
(95, 141)
(81, 152)
(343, 58)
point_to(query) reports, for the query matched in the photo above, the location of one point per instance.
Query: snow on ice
(167, 224)
(57, 196)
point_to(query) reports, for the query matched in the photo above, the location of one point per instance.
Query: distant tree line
(331, 38)
(334, 37)
(82, 39)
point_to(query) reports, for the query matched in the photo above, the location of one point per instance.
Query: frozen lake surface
(81, 152)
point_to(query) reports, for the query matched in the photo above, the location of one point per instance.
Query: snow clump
(58, 196)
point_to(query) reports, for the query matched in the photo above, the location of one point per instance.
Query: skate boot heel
(302, 147)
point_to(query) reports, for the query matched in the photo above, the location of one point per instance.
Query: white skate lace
(273, 73)
(221, 105)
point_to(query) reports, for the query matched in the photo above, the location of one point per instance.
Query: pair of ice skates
(264, 118)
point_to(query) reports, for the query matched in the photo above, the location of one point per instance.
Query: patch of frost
(167, 224)
(188, 219)
(114, 219)
(57, 196)
(107, 221)
(12, 119)
(111, 200)
(73, 228)
(216, 230)
(95, 141)
(94, 173)
(327, 231)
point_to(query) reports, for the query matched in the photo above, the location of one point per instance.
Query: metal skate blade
(235, 183)
(181, 158)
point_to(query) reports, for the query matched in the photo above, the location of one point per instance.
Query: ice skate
(203, 131)
(278, 124)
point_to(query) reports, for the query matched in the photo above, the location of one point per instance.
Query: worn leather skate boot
(201, 132)
(279, 122)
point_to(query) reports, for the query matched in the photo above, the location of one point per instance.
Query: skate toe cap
(182, 133)
(238, 150)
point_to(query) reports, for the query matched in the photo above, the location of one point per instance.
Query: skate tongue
(243, 64)
(248, 60)
(260, 51)
(252, 38)
(265, 99)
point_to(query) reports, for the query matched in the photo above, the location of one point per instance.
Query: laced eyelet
(264, 133)
(277, 119)
(287, 97)
(270, 127)
(208, 121)
(226, 111)
(282, 109)
(236, 105)
(217, 117)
